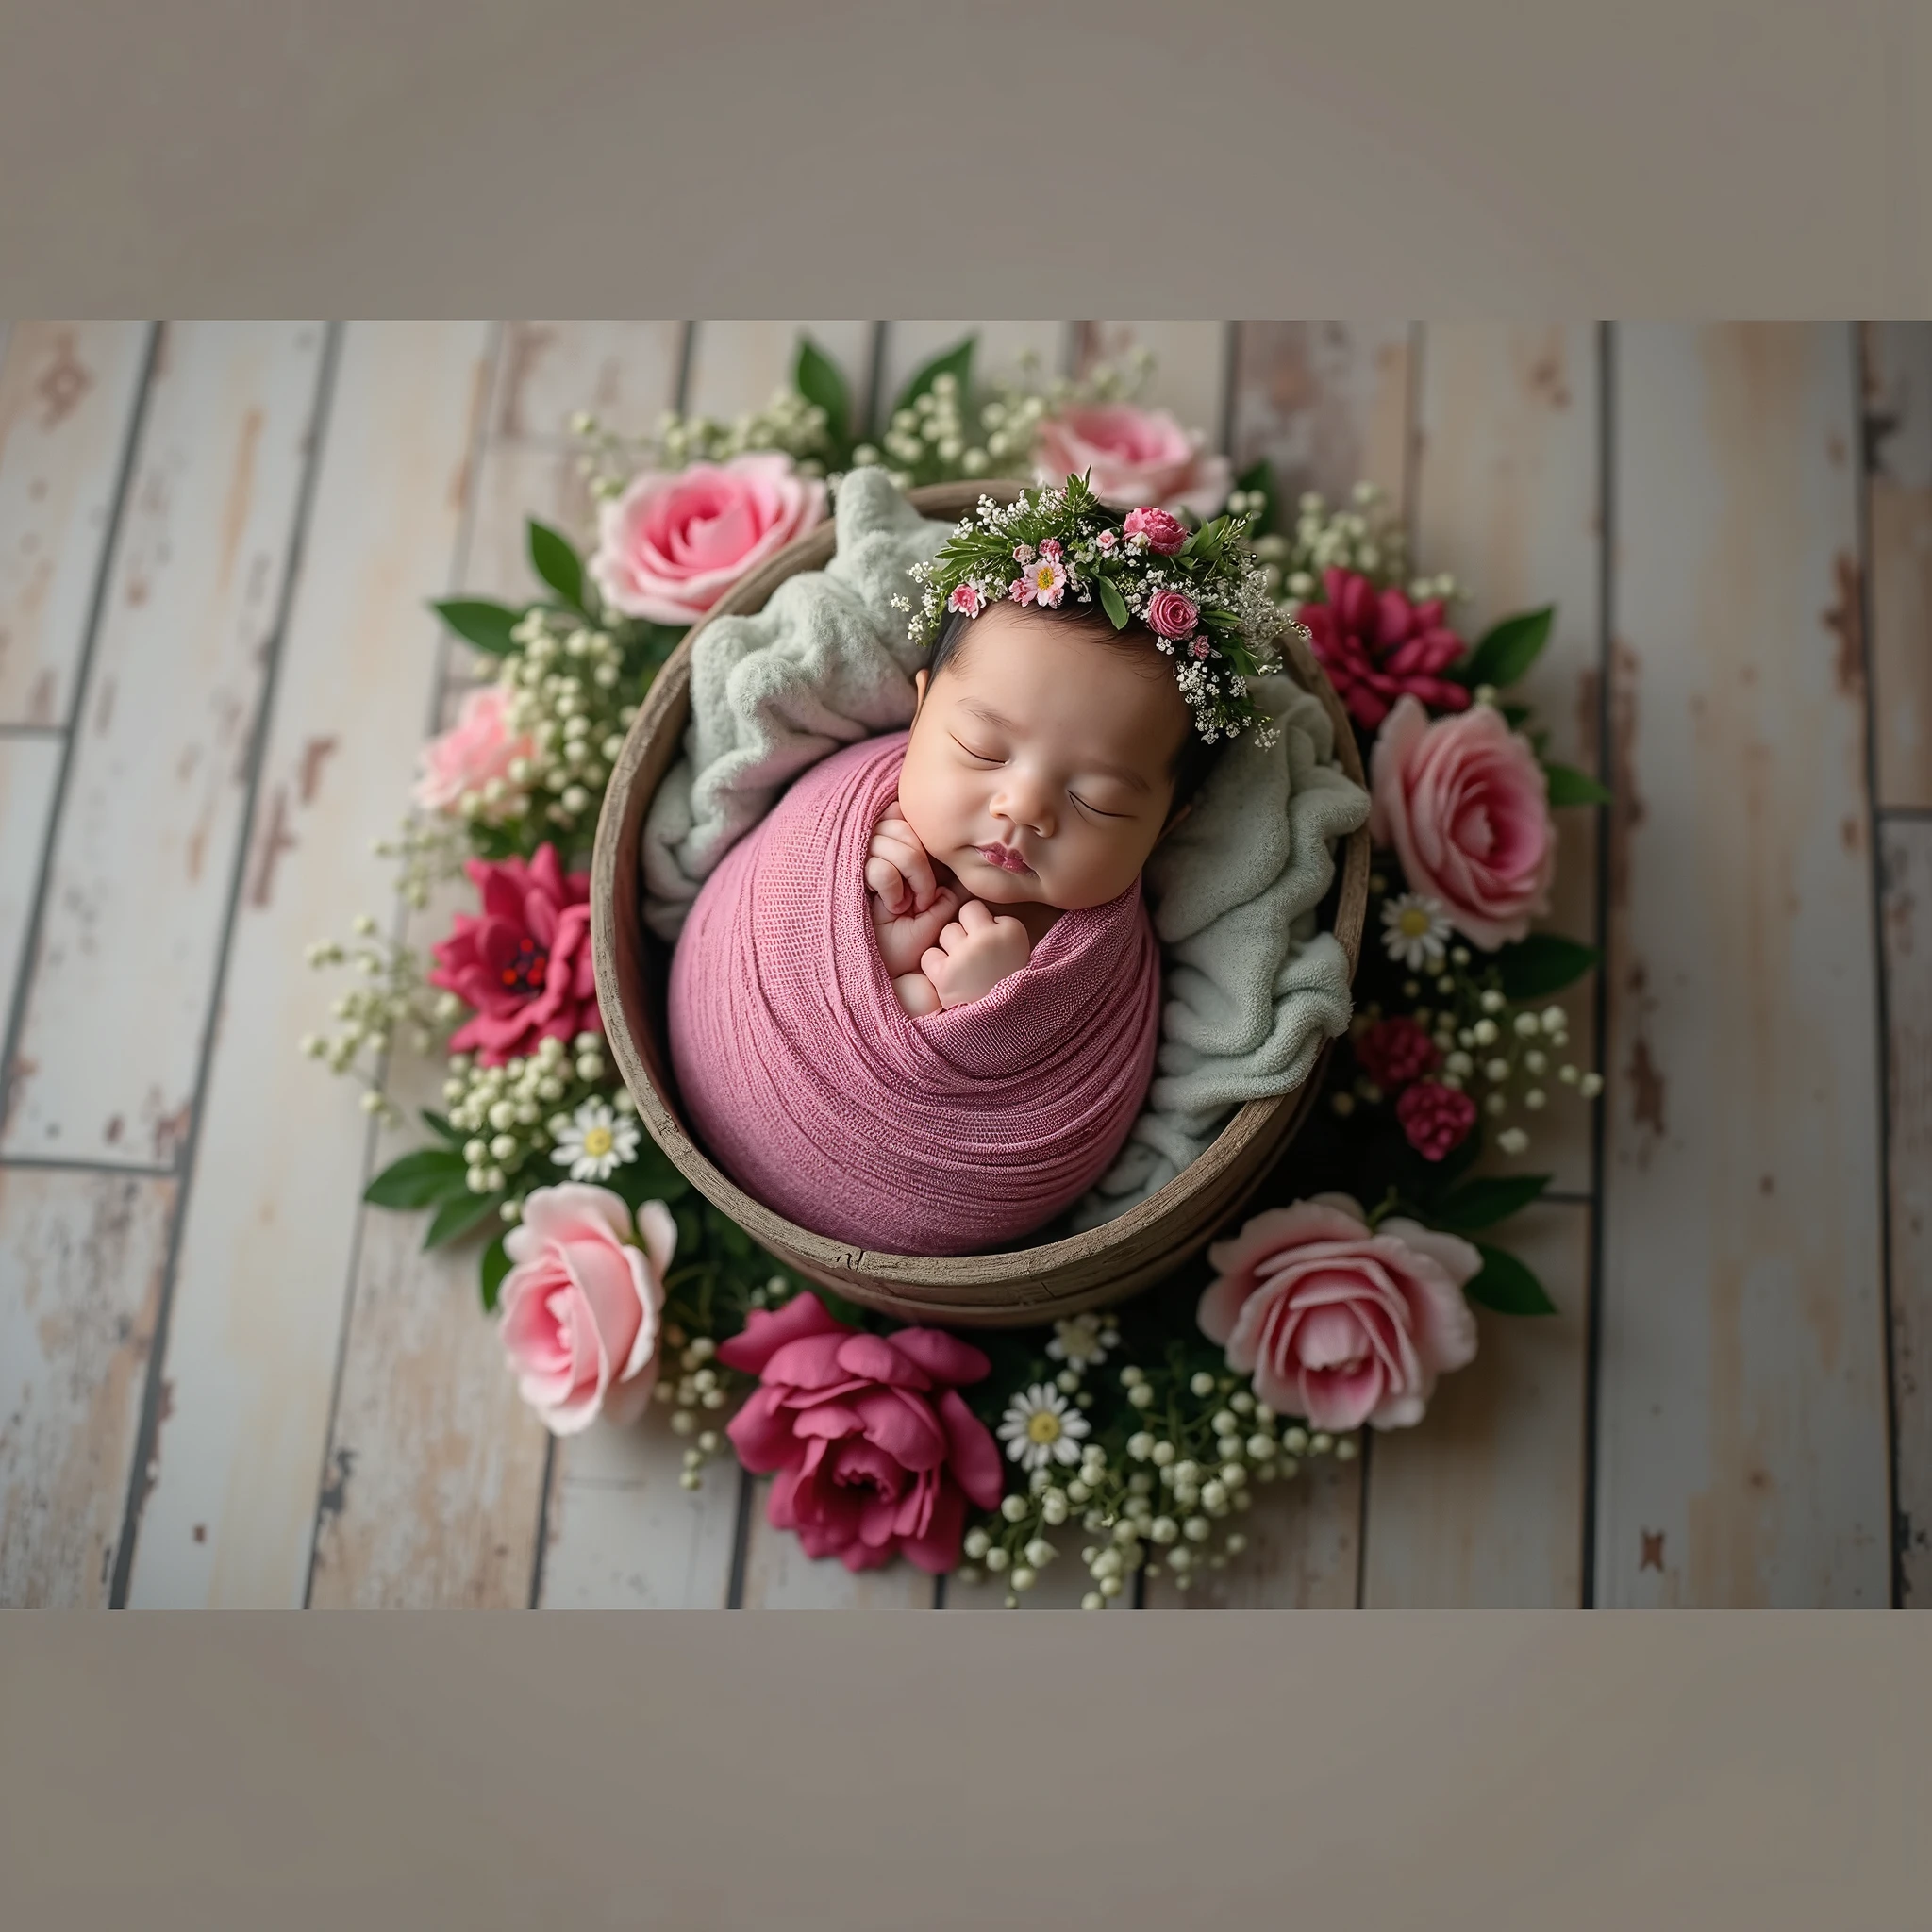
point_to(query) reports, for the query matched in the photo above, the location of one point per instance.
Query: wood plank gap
(1412, 451)
(740, 1542)
(55, 1165)
(687, 348)
(1364, 1491)
(1901, 1529)
(876, 375)
(398, 922)
(291, 572)
(1906, 814)
(16, 1016)
(1606, 608)
(545, 1490)
(33, 731)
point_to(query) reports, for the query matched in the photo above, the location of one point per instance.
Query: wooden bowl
(1010, 1288)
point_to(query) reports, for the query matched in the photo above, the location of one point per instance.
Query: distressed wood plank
(143, 863)
(81, 1258)
(1905, 853)
(1898, 436)
(621, 371)
(29, 772)
(735, 366)
(909, 345)
(1328, 402)
(258, 1302)
(1190, 366)
(1743, 1454)
(1507, 486)
(1480, 1506)
(67, 398)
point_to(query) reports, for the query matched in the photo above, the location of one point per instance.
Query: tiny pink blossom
(1107, 539)
(1201, 647)
(1163, 532)
(1021, 591)
(1023, 553)
(967, 598)
(1172, 615)
(1051, 548)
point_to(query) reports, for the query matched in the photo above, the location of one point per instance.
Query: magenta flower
(1376, 646)
(875, 1452)
(1394, 1052)
(524, 965)
(1436, 1119)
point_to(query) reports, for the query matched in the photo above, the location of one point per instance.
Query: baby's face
(1040, 745)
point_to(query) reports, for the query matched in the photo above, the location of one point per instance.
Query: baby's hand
(910, 909)
(975, 953)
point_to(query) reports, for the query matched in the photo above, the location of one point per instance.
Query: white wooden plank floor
(223, 1381)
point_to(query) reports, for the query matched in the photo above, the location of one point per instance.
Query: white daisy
(1039, 1428)
(1083, 1341)
(1414, 931)
(593, 1142)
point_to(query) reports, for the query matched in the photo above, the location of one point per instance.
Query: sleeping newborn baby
(917, 1005)
(1048, 756)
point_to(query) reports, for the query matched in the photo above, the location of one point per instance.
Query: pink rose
(579, 1307)
(1466, 807)
(876, 1451)
(1337, 1324)
(965, 597)
(1163, 533)
(676, 542)
(1435, 1118)
(1375, 645)
(477, 748)
(1132, 457)
(526, 963)
(1171, 614)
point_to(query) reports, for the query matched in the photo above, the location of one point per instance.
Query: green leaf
(456, 1217)
(956, 361)
(1504, 1284)
(1542, 963)
(555, 563)
(650, 1177)
(1260, 477)
(1567, 786)
(441, 1128)
(1113, 603)
(485, 626)
(491, 1270)
(1513, 715)
(1483, 1202)
(819, 380)
(1508, 651)
(419, 1179)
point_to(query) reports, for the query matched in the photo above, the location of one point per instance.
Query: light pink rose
(676, 542)
(1171, 614)
(1466, 807)
(1164, 533)
(580, 1307)
(1135, 456)
(1339, 1324)
(477, 748)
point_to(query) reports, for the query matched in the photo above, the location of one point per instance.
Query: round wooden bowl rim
(620, 827)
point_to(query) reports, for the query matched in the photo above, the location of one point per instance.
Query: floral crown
(1201, 591)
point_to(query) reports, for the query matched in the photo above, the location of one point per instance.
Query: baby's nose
(1027, 805)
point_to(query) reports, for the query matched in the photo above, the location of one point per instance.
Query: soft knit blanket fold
(1252, 986)
(812, 1087)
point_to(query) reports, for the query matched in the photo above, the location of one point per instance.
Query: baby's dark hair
(1196, 757)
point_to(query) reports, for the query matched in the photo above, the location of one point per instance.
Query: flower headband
(1201, 592)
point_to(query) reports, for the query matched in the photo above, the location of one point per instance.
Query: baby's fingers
(897, 839)
(975, 917)
(885, 878)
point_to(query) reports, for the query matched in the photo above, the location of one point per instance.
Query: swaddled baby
(917, 1006)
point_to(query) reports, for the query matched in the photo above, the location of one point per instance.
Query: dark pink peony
(1375, 645)
(876, 1453)
(1437, 1119)
(1171, 614)
(525, 964)
(1394, 1052)
(1164, 533)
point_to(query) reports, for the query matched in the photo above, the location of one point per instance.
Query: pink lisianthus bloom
(480, 746)
(1465, 806)
(524, 965)
(874, 1451)
(1164, 533)
(675, 540)
(579, 1307)
(1336, 1323)
(1173, 615)
(1132, 457)
(1375, 645)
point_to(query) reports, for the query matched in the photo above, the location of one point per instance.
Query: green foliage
(1505, 1285)
(1542, 963)
(1483, 1202)
(1569, 786)
(483, 625)
(458, 1215)
(423, 1179)
(491, 1269)
(956, 362)
(1508, 650)
(819, 380)
(557, 564)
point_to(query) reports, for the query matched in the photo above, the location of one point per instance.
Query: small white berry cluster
(1366, 538)
(387, 1002)
(697, 1396)
(515, 1113)
(788, 422)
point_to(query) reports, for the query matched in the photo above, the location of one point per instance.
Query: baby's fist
(975, 953)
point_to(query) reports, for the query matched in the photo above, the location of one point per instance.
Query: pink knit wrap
(821, 1098)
